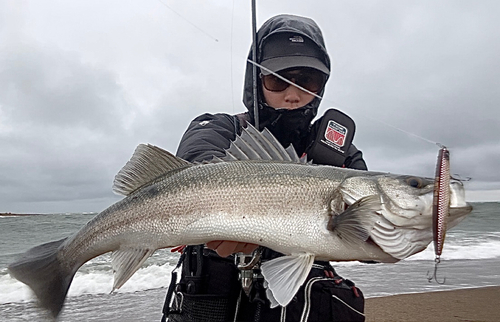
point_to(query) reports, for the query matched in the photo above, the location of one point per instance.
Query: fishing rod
(254, 67)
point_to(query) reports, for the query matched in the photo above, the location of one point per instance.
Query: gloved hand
(225, 248)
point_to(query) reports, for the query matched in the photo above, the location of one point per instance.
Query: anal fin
(126, 262)
(284, 276)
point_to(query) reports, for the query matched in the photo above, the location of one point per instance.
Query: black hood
(289, 126)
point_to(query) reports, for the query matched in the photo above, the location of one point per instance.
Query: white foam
(488, 249)
(14, 291)
(96, 277)
(96, 282)
(454, 249)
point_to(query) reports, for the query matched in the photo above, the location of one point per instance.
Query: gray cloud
(81, 84)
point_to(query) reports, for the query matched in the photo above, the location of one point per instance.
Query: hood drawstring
(273, 123)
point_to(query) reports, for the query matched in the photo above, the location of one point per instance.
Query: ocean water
(471, 258)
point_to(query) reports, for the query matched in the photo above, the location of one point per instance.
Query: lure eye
(415, 182)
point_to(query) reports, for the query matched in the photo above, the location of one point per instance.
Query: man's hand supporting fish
(225, 248)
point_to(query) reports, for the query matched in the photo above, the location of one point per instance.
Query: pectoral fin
(284, 276)
(126, 262)
(354, 223)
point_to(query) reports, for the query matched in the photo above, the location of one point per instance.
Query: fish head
(402, 225)
(406, 200)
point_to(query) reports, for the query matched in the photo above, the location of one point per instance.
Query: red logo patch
(335, 133)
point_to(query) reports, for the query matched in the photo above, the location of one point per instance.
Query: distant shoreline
(12, 214)
(9, 214)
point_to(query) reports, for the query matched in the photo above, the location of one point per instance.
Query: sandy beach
(477, 304)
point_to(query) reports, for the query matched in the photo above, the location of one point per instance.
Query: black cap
(288, 50)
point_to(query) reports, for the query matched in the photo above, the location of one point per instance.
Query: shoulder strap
(171, 287)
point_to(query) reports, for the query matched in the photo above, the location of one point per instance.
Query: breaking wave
(96, 277)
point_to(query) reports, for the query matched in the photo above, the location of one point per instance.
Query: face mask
(288, 126)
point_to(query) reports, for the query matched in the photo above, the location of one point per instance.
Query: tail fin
(41, 270)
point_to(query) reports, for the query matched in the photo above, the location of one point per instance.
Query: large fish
(305, 211)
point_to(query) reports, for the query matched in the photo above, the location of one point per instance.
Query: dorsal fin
(255, 145)
(147, 163)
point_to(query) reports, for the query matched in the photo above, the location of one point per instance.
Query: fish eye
(415, 182)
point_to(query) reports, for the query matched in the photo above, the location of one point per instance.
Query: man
(211, 286)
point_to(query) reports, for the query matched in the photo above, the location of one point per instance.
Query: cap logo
(296, 39)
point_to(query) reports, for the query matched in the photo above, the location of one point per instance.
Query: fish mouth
(461, 210)
(457, 197)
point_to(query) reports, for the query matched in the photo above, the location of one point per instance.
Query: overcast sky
(83, 82)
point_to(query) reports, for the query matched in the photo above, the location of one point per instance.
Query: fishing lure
(441, 206)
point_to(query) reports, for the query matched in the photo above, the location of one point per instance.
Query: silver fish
(305, 211)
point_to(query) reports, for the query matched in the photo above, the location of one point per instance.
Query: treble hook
(434, 276)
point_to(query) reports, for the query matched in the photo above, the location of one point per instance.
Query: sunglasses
(311, 79)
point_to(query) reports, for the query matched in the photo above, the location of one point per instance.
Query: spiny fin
(41, 270)
(284, 276)
(147, 163)
(354, 223)
(255, 145)
(126, 262)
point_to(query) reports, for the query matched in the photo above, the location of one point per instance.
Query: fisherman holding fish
(219, 286)
(256, 191)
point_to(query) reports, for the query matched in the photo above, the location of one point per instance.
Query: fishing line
(284, 79)
(188, 21)
(231, 57)
(331, 101)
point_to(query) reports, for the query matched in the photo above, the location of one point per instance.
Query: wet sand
(477, 304)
